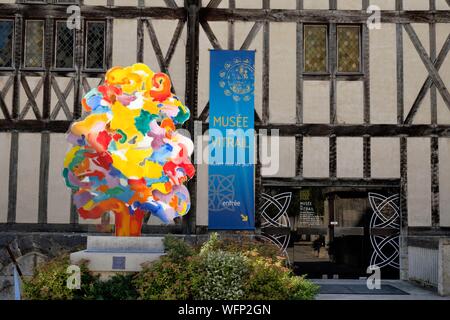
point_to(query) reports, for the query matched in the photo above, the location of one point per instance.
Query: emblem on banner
(237, 79)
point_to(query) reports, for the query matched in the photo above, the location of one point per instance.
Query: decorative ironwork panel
(385, 216)
(6, 42)
(315, 43)
(34, 43)
(274, 215)
(349, 48)
(64, 47)
(95, 45)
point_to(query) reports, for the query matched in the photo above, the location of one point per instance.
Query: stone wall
(29, 250)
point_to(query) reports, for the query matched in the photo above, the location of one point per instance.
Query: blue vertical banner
(231, 198)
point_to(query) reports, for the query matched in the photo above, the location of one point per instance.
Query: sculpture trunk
(128, 224)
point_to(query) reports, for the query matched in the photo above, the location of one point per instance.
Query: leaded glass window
(95, 45)
(348, 47)
(64, 45)
(315, 43)
(34, 43)
(6, 43)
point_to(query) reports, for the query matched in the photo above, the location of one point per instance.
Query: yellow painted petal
(123, 117)
(89, 205)
(136, 156)
(69, 156)
(85, 126)
(127, 168)
(150, 106)
(152, 170)
(160, 186)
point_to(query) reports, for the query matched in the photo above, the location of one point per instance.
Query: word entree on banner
(231, 145)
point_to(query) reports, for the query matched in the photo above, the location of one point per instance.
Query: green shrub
(220, 269)
(222, 276)
(49, 281)
(176, 249)
(212, 244)
(166, 279)
(273, 281)
(118, 287)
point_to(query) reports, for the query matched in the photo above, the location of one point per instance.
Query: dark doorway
(338, 232)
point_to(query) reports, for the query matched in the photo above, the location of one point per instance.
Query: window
(315, 43)
(95, 45)
(6, 43)
(348, 48)
(34, 44)
(64, 46)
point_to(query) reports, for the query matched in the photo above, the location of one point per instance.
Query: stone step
(125, 244)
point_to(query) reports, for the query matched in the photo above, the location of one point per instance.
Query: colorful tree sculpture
(127, 157)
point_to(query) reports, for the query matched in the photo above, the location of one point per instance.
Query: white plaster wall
(131, 3)
(62, 83)
(316, 157)
(442, 5)
(201, 153)
(241, 30)
(316, 102)
(416, 5)
(385, 157)
(384, 4)
(315, 4)
(220, 31)
(28, 178)
(58, 200)
(32, 82)
(95, 2)
(247, 4)
(349, 4)
(279, 4)
(202, 195)
(383, 74)
(8, 97)
(444, 181)
(349, 157)
(286, 157)
(415, 73)
(5, 146)
(124, 42)
(442, 31)
(419, 182)
(282, 72)
(350, 102)
(164, 30)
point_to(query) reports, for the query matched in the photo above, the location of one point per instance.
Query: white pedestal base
(107, 255)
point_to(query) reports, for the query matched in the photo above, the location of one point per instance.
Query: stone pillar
(444, 267)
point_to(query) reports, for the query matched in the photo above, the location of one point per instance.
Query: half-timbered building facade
(362, 111)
